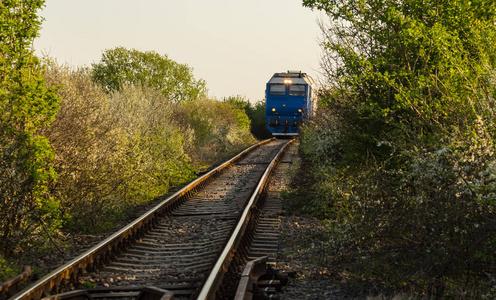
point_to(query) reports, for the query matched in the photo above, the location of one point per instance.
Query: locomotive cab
(288, 102)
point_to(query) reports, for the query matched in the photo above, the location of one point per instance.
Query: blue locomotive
(288, 102)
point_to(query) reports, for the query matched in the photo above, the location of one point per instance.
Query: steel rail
(51, 282)
(253, 270)
(216, 276)
(14, 282)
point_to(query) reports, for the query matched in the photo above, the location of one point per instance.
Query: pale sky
(235, 46)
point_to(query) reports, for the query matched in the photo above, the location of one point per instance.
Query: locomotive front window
(277, 89)
(297, 90)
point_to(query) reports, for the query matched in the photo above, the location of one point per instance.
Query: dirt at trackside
(302, 252)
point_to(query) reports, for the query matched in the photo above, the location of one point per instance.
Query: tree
(255, 113)
(121, 66)
(410, 66)
(403, 152)
(26, 105)
(238, 104)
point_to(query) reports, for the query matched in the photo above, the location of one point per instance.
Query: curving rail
(61, 277)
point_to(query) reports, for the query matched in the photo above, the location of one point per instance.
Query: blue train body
(288, 102)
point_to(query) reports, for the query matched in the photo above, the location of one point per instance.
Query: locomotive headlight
(287, 81)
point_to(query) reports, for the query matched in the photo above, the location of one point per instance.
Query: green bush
(426, 227)
(159, 160)
(7, 270)
(213, 138)
(26, 105)
(116, 150)
(90, 156)
(256, 113)
(112, 151)
(400, 158)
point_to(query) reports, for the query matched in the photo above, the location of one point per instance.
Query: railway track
(194, 244)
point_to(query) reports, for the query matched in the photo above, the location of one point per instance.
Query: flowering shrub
(212, 138)
(113, 151)
(426, 225)
(401, 158)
